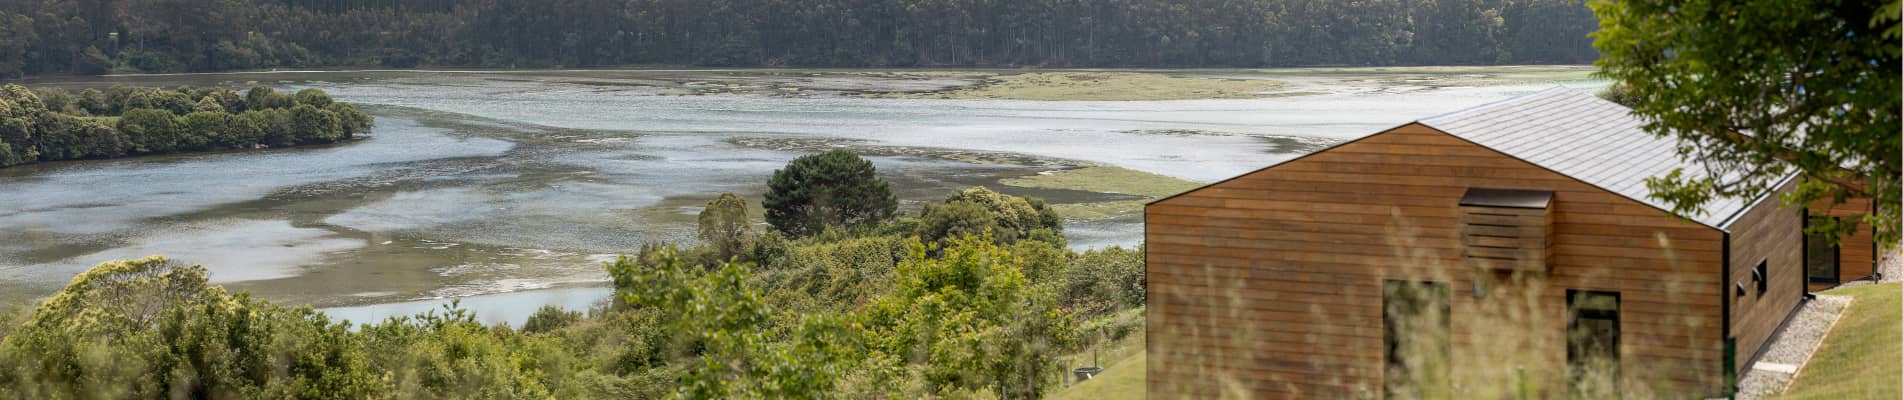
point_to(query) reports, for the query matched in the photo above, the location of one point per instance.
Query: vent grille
(1506, 229)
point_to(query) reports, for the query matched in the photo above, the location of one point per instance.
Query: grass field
(1123, 379)
(1105, 179)
(1862, 358)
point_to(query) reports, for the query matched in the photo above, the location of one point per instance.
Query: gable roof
(1584, 137)
(1576, 135)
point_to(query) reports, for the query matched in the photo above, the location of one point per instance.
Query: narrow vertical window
(1415, 328)
(1820, 258)
(1592, 344)
(1761, 273)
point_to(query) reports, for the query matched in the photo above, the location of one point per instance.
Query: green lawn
(1123, 379)
(1862, 358)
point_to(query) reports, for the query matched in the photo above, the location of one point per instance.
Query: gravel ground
(1891, 267)
(1792, 346)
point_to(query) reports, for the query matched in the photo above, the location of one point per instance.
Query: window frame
(1445, 293)
(1573, 317)
(1835, 254)
(1762, 275)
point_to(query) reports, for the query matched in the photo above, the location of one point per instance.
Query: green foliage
(724, 226)
(835, 189)
(550, 318)
(1100, 281)
(158, 121)
(977, 210)
(845, 314)
(973, 320)
(721, 311)
(152, 131)
(310, 124)
(264, 98)
(313, 97)
(350, 119)
(65, 36)
(159, 99)
(1757, 90)
(833, 275)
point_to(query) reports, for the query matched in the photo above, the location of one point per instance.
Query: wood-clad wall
(1269, 285)
(1773, 234)
(1857, 258)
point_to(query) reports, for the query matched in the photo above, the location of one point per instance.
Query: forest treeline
(100, 36)
(976, 296)
(53, 124)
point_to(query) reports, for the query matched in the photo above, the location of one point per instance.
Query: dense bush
(863, 313)
(52, 124)
(977, 210)
(724, 227)
(835, 189)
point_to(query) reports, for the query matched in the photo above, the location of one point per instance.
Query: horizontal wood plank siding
(1774, 235)
(1269, 285)
(1857, 258)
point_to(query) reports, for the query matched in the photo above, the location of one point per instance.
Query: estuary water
(508, 189)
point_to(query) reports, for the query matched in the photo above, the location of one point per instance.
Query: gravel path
(1791, 347)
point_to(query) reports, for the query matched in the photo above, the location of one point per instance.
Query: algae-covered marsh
(1104, 179)
(486, 182)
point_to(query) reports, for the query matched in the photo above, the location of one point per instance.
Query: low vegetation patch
(1107, 86)
(1862, 358)
(1104, 179)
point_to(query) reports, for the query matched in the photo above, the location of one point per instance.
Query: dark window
(1820, 258)
(1414, 323)
(1758, 274)
(1592, 344)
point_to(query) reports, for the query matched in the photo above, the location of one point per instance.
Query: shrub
(975, 210)
(1104, 280)
(550, 318)
(724, 227)
(313, 97)
(313, 125)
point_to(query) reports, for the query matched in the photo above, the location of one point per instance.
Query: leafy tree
(1756, 90)
(1104, 280)
(976, 210)
(207, 104)
(720, 310)
(20, 112)
(724, 226)
(973, 319)
(312, 125)
(152, 131)
(831, 189)
(160, 99)
(265, 98)
(313, 97)
(350, 119)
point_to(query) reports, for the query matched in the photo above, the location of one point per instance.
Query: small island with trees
(52, 124)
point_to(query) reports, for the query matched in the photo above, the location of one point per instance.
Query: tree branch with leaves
(1755, 91)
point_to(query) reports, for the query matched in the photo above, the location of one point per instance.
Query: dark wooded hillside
(99, 36)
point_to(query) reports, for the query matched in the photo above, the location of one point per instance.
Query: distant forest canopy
(101, 36)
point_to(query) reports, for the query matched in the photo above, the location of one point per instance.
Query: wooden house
(1505, 250)
(1852, 258)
